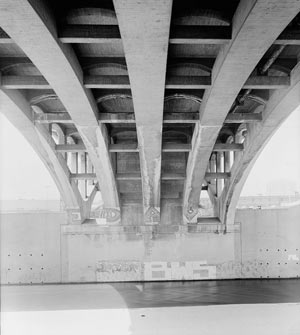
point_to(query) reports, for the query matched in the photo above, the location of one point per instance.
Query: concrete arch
(181, 103)
(232, 68)
(176, 133)
(103, 16)
(112, 103)
(279, 107)
(47, 101)
(188, 69)
(18, 111)
(195, 16)
(37, 99)
(20, 68)
(139, 23)
(34, 30)
(106, 69)
(61, 137)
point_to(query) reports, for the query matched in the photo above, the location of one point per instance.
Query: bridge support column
(255, 27)
(33, 28)
(144, 27)
(220, 168)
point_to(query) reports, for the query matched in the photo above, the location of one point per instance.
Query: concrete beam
(290, 36)
(183, 117)
(203, 82)
(188, 82)
(223, 147)
(83, 176)
(63, 117)
(70, 148)
(233, 66)
(128, 176)
(116, 118)
(176, 147)
(173, 82)
(217, 175)
(144, 27)
(107, 82)
(137, 176)
(18, 111)
(111, 34)
(124, 147)
(81, 33)
(166, 147)
(173, 176)
(267, 82)
(179, 35)
(188, 117)
(279, 107)
(33, 29)
(243, 118)
(122, 82)
(24, 82)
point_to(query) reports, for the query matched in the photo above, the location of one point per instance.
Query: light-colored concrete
(33, 29)
(279, 107)
(270, 242)
(144, 28)
(30, 247)
(262, 243)
(122, 82)
(255, 26)
(18, 111)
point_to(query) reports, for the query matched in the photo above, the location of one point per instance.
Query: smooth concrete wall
(30, 247)
(143, 253)
(263, 243)
(270, 242)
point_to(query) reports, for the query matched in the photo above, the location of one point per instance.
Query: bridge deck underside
(155, 113)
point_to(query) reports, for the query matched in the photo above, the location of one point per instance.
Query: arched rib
(144, 27)
(33, 29)
(255, 26)
(280, 106)
(18, 111)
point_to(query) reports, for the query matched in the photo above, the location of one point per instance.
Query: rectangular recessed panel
(201, 273)
(158, 274)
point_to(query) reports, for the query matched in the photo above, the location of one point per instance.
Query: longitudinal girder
(150, 103)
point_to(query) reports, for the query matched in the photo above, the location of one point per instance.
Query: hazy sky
(23, 175)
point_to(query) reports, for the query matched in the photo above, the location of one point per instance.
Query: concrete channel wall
(42, 248)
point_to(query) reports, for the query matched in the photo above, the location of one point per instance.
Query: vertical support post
(227, 161)
(82, 170)
(213, 168)
(220, 165)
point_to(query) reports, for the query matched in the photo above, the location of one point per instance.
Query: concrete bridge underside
(152, 103)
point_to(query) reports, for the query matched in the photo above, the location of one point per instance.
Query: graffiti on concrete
(133, 270)
(118, 271)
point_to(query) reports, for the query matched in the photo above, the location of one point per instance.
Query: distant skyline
(23, 175)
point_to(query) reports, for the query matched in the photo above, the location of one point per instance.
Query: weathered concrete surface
(18, 111)
(264, 243)
(144, 27)
(279, 107)
(30, 247)
(33, 29)
(234, 64)
(147, 256)
(270, 242)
